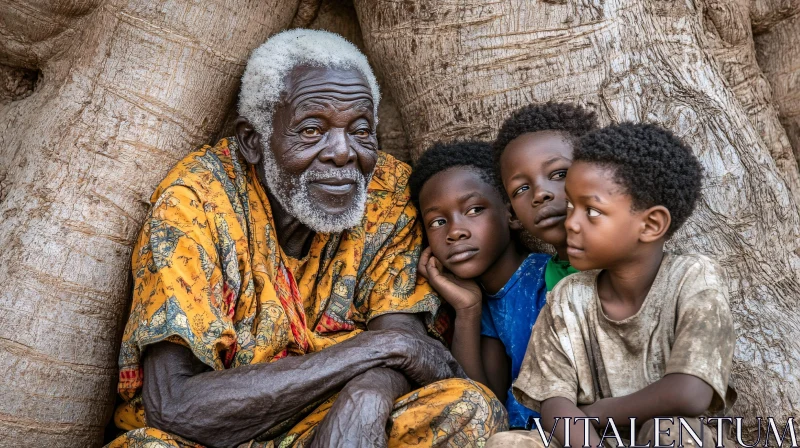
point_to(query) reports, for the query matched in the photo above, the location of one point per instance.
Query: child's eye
(592, 213)
(474, 210)
(521, 190)
(560, 174)
(570, 206)
(437, 223)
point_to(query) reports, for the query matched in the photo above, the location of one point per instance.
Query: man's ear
(249, 141)
(655, 223)
(513, 222)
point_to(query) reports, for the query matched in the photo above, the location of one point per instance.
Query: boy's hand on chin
(463, 295)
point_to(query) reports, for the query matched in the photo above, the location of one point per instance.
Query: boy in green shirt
(532, 153)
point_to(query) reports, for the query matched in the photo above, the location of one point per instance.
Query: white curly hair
(263, 79)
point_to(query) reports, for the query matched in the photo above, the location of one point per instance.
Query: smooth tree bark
(99, 99)
(458, 69)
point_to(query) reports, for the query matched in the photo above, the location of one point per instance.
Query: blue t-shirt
(509, 316)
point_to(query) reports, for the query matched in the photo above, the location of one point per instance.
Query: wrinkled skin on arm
(225, 408)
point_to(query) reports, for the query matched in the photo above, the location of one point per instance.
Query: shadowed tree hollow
(98, 99)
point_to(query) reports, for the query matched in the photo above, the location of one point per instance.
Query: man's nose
(541, 195)
(337, 149)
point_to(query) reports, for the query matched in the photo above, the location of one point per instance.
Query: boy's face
(603, 229)
(533, 168)
(466, 221)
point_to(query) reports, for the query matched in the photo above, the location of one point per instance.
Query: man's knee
(478, 395)
(449, 412)
(475, 405)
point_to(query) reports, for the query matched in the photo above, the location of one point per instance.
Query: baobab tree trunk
(728, 37)
(776, 25)
(100, 98)
(459, 68)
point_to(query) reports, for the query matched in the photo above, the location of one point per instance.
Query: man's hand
(462, 295)
(410, 350)
(185, 397)
(359, 415)
(423, 359)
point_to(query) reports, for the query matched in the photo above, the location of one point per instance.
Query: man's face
(466, 221)
(323, 148)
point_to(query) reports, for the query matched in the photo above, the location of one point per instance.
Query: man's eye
(521, 190)
(311, 132)
(361, 133)
(560, 174)
(474, 210)
(592, 213)
(437, 223)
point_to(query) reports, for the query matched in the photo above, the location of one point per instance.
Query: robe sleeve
(178, 291)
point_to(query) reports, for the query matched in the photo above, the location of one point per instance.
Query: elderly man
(263, 261)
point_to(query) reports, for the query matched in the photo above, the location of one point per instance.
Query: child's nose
(458, 233)
(571, 223)
(541, 196)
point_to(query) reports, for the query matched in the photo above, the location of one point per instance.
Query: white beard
(293, 195)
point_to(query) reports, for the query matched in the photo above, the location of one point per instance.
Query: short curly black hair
(650, 163)
(573, 120)
(440, 156)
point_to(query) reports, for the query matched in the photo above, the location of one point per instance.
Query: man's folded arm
(185, 397)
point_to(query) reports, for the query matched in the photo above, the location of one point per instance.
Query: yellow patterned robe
(209, 274)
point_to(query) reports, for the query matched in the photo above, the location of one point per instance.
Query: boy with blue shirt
(515, 308)
(535, 147)
(473, 256)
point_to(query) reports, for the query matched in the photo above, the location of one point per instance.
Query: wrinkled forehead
(305, 82)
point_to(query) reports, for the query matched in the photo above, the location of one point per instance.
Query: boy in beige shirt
(642, 333)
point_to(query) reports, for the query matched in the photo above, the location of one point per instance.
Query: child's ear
(513, 221)
(655, 223)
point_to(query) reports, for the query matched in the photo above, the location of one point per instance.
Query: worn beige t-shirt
(683, 326)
